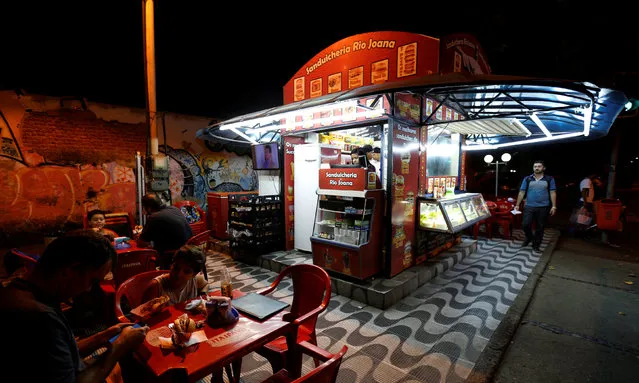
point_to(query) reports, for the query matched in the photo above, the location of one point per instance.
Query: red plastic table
(224, 345)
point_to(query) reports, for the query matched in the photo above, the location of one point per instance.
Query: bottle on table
(226, 284)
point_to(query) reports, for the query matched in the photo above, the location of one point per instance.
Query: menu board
(423, 180)
(303, 120)
(407, 107)
(404, 189)
(364, 59)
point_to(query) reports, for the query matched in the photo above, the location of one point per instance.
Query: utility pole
(149, 66)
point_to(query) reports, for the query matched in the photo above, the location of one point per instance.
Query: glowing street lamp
(488, 159)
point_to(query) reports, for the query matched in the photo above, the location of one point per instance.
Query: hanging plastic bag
(584, 217)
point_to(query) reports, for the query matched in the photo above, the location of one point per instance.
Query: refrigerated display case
(347, 232)
(453, 214)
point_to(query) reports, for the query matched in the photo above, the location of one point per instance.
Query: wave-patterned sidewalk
(436, 334)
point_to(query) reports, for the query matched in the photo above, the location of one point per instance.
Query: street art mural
(8, 149)
(193, 175)
(41, 196)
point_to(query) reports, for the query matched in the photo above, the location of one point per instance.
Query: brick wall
(78, 136)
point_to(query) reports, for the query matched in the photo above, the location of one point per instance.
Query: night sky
(222, 60)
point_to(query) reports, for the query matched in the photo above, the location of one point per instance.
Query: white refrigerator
(307, 159)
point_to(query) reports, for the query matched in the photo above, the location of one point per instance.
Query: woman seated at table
(185, 280)
(97, 219)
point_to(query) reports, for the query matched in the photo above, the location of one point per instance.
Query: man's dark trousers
(540, 216)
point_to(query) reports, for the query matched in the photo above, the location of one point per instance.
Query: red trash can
(607, 213)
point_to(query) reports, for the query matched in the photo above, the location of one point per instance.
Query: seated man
(43, 347)
(166, 228)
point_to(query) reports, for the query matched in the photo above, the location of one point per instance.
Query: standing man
(540, 192)
(166, 228)
(375, 162)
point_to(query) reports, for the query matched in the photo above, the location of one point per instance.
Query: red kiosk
(425, 102)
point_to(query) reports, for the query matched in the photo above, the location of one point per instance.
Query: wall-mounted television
(265, 156)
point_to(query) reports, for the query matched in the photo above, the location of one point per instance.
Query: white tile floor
(436, 334)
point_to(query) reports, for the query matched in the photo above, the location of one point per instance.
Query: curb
(490, 359)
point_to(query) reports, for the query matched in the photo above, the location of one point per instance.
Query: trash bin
(607, 213)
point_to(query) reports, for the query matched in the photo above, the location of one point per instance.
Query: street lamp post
(488, 159)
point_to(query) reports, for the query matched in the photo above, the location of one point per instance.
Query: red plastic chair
(487, 222)
(132, 290)
(200, 239)
(194, 214)
(132, 262)
(324, 373)
(503, 217)
(23, 260)
(311, 294)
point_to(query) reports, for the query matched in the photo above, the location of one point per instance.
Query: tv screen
(265, 156)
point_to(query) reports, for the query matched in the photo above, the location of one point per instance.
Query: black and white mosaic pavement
(435, 334)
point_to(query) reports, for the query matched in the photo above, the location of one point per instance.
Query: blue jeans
(540, 216)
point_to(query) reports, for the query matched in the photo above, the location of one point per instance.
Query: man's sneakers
(535, 246)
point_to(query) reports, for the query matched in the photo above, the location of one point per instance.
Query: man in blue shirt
(540, 192)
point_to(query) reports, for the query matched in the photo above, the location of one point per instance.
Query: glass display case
(451, 214)
(346, 220)
(347, 235)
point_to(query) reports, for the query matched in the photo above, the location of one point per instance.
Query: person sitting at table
(97, 219)
(166, 228)
(185, 280)
(42, 345)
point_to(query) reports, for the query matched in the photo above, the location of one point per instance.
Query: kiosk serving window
(443, 152)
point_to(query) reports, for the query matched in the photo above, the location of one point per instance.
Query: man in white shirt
(587, 189)
(374, 160)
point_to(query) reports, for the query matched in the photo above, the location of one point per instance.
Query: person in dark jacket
(166, 228)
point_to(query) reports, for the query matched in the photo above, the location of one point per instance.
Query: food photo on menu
(356, 77)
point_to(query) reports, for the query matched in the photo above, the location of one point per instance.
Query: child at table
(186, 279)
(97, 220)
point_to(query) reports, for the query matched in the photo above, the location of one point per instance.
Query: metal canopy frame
(549, 109)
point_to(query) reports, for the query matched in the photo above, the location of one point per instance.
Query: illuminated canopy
(497, 111)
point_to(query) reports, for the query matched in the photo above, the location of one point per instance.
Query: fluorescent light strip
(247, 138)
(540, 124)
(249, 124)
(327, 120)
(522, 127)
(587, 119)
(522, 142)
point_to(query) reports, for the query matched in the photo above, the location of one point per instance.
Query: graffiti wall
(58, 163)
(48, 198)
